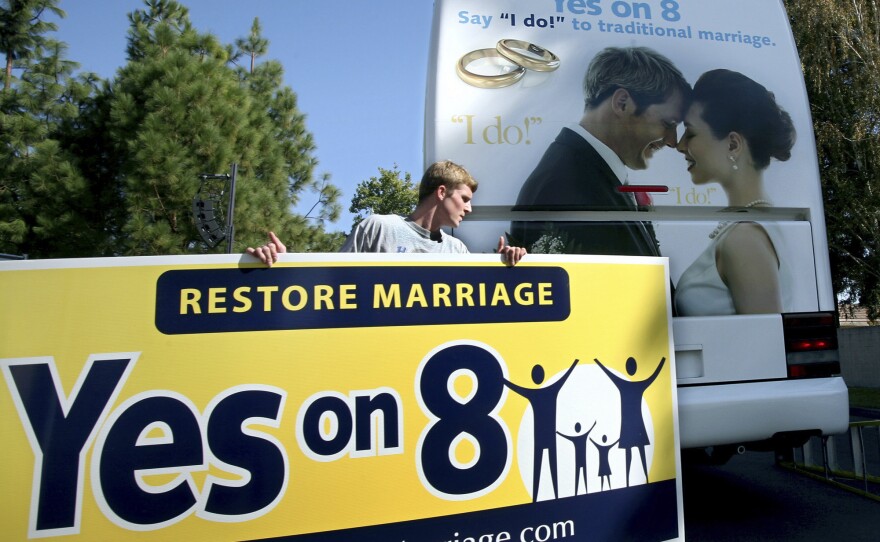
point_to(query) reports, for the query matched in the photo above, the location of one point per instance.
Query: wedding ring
(508, 49)
(487, 81)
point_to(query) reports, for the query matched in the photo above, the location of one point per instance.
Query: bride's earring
(733, 162)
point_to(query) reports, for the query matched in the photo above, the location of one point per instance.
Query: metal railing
(850, 460)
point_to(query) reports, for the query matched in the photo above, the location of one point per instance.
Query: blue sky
(358, 68)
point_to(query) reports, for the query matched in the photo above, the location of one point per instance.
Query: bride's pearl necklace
(721, 225)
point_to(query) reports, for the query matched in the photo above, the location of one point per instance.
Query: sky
(358, 68)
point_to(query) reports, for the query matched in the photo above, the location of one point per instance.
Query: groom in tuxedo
(634, 100)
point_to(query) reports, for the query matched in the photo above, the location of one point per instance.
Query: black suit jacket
(573, 176)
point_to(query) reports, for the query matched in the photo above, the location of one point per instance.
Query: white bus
(568, 111)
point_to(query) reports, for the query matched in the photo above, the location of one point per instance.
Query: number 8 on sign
(464, 451)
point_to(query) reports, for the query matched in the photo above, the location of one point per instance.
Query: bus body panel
(732, 369)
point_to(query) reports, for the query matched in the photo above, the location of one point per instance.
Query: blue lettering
(258, 459)
(154, 431)
(635, 10)
(480, 20)
(454, 421)
(368, 423)
(60, 430)
(326, 443)
(151, 437)
(670, 10)
(579, 7)
(383, 409)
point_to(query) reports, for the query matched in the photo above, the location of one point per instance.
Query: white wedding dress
(700, 290)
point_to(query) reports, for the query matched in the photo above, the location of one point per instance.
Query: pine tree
(44, 199)
(22, 29)
(177, 110)
(284, 152)
(254, 46)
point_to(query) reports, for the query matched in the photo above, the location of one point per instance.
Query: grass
(864, 397)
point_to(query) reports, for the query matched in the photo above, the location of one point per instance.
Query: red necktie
(643, 199)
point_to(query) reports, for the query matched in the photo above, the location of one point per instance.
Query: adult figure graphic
(543, 401)
(633, 433)
(634, 99)
(445, 194)
(580, 453)
(733, 128)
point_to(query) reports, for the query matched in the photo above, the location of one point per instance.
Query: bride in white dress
(733, 128)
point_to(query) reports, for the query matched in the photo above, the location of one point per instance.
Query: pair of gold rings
(543, 61)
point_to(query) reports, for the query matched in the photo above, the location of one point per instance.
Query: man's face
(456, 204)
(650, 130)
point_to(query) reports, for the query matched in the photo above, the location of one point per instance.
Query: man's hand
(268, 253)
(511, 255)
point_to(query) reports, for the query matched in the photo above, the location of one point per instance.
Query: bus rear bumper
(735, 413)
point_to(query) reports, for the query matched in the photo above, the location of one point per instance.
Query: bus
(550, 105)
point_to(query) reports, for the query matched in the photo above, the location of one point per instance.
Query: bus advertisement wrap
(336, 397)
(509, 86)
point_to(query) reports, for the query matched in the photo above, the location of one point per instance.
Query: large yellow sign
(338, 398)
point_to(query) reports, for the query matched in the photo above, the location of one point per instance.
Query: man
(634, 100)
(445, 195)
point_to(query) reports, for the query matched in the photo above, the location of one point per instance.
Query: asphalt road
(750, 498)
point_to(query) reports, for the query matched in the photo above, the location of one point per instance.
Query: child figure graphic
(604, 463)
(580, 453)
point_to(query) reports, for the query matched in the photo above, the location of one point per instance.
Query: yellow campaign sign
(339, 397)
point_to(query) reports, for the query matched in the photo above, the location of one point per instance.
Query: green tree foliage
(839, 46)
(174, 111)
(254, 46)
(111, 168)
(281, 127)
(178, 109)
(45, 202)
(22, 29)
(389, 193)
